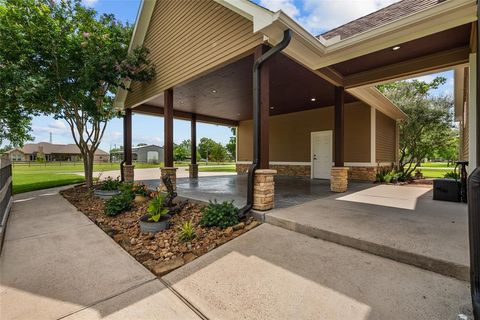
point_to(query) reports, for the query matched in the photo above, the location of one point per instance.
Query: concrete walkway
(57, 264)
(273, 273)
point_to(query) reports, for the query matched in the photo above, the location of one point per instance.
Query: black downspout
(473, 197)
(287, 36)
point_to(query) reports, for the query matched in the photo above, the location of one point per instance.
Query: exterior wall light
(313, 99)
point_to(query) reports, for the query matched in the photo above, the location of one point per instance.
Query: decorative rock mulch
(161, 252)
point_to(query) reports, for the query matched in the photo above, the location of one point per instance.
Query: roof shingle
(381, 17)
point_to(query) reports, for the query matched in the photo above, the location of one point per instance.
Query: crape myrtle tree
(75, 61)
(429, 120)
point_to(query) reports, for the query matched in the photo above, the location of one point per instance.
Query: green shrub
(140, 190)
(452, 175)
(388, 176)
(187, 231)
(156, 208)
(221, 215)
(118, 204)
(110, 184)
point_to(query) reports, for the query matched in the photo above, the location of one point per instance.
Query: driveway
(56, 264)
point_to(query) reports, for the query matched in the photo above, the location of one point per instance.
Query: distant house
(52, 152)
(148, 154)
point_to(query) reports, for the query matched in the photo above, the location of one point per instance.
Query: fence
(52, 163)
(5, 195)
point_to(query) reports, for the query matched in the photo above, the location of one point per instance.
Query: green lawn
(48, 175)
(437, 165)
(223, 168)
(429, 173)
(30, 181)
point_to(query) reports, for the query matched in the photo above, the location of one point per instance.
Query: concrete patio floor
(289, 191)
(398, 222)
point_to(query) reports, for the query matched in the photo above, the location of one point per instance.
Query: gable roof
(381, 17)
(49, 148)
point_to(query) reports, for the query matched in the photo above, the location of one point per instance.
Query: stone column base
(128, 172)
(172, 172)
(193, 171)
(263, 189)
(339, 179)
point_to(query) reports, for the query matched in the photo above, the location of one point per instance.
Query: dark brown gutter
(287, 36)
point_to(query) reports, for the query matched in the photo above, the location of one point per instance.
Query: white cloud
(287, 6)
(318, 16)
(89, 3)
(56, 127)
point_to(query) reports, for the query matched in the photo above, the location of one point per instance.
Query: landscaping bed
(163, 251)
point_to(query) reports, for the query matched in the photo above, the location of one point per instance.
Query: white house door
(321, 154)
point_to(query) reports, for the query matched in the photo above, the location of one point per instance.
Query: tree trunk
(88, 168)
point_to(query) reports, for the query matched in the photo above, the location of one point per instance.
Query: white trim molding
(472, 112)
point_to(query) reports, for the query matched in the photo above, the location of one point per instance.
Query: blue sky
(316, 16)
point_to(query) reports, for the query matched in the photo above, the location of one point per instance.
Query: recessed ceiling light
(214, 91)
(396, 48)
(313, 99)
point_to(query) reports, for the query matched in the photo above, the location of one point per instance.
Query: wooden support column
(264, 154)
(168, 128)
(339, 126)
(193, 139)
(193, 168)
(127, 137)
(127, 171)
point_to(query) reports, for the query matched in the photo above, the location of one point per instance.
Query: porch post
(193, 170)
(168, 169)
(128, 168)
(264, 185)
(264, 155)
(339, 174)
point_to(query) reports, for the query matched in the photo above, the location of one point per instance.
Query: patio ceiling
(437, 51)
(226, 93)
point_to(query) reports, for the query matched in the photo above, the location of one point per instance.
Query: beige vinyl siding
(186, 38)
(385, 138)
(464, 127)
(290, 134)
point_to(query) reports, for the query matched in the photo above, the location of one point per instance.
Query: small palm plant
(187, 231)
(156, 209)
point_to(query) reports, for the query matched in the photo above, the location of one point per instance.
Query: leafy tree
(211, 150)
(218, 153)
(429, 117)
(142, 144)
(232, 144)
(182, 151)
(450, 149)
(73, 62)
(205, 147)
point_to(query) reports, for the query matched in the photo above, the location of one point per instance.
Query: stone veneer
(263, 189)
(128, 172)
(172, 172)
(282, 170)
(193, 171)
(366, 173)
(339, 179)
